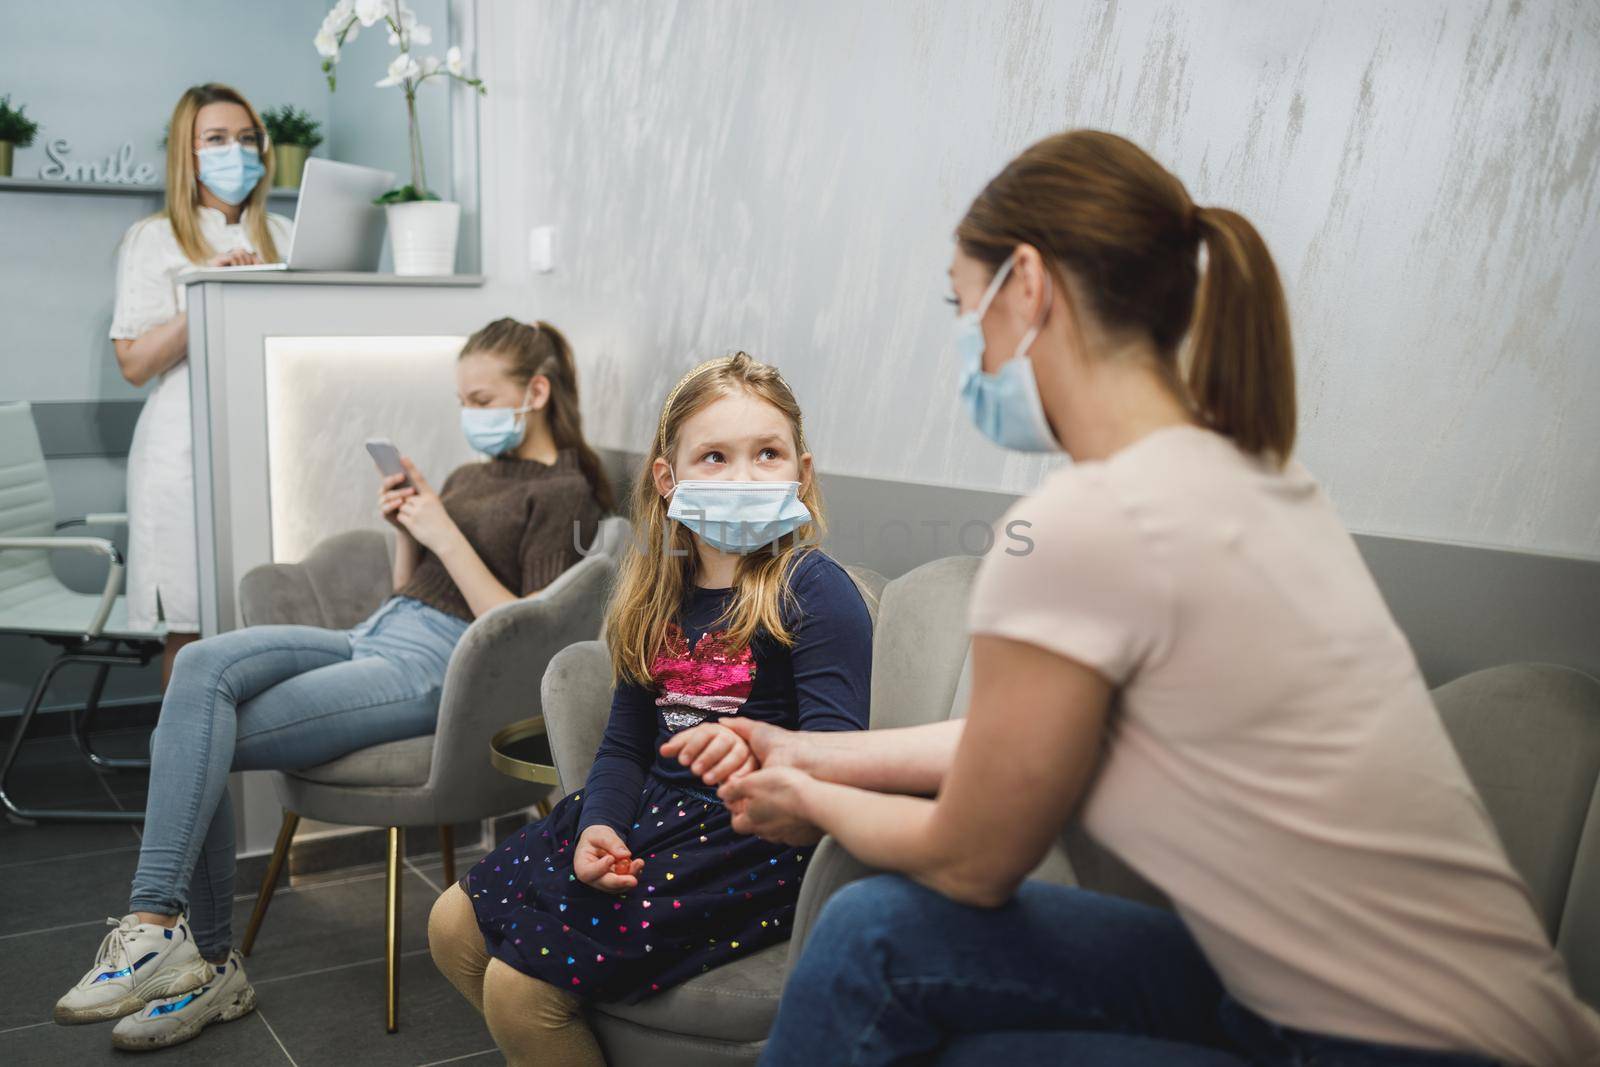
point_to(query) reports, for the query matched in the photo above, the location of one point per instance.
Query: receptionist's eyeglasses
(254, 137)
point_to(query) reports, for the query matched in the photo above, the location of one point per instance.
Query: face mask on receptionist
(230, 171)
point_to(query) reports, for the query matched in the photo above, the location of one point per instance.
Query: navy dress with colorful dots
(707, 895)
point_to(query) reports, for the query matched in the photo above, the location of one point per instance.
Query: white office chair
(88, 628)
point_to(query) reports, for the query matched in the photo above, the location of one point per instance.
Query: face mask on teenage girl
(1004, 406)
(495, 431)
(738, 517)
(230, 171)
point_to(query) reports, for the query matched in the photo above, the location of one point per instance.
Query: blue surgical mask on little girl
(230, 171)
(1005, 406)
(494, 431)
(738, 517)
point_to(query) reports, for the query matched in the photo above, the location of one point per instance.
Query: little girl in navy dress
(723, 608)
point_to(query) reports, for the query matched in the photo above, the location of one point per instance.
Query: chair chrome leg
(82, 723)
(447, 850)
(391, 933)
(269, 885)
(26, 720)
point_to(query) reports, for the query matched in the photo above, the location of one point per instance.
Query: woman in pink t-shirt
(1193, 660)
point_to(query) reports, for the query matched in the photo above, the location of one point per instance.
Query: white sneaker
(137, 962)
(174, 1020)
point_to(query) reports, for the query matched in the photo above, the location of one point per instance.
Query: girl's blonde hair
(183, 197)
(660, 565)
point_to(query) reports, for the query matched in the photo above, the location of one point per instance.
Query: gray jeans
(272, 698)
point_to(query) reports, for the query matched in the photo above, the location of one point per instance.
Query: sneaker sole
(137, 998)
(242, 1004)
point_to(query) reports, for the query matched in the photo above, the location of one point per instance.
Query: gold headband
(720, 361)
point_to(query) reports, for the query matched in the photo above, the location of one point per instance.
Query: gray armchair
(493, 680)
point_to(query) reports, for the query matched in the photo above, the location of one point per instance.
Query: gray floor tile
(68, 889)
(244, 1041)
(26, 845)
(327, 937)
(332, 924)
(336, 1018)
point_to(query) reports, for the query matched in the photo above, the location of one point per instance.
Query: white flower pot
(422, 234)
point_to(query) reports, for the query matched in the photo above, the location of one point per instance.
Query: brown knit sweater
(518, 516)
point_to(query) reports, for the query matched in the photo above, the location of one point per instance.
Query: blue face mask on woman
(1004, 406)
(230, 172)
(494, 431)
(738, 517)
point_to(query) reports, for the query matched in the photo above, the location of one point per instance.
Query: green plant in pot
(293, 133)
(16, 131)
(422, 228)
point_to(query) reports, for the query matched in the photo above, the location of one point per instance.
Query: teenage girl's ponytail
(1241, 369)
(566, 422)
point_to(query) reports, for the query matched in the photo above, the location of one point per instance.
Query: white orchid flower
(371, 12)
(327, 44)
(416, 33)
(403, 69)
(452, 61)
(420, 34)
(430, 66)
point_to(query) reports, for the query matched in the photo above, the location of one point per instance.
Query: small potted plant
(422, 228)
(16, 131)
(293, 134)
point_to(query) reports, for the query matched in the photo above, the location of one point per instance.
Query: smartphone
(387, 457)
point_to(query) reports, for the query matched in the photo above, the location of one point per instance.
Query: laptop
(337, 227)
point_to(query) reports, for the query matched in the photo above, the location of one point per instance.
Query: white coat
(163, 569)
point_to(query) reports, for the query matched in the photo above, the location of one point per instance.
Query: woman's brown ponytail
(1097, 206)
(537, 349)
(1241, 365)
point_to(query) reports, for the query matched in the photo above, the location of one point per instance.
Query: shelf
(41, 185)
(321, 277)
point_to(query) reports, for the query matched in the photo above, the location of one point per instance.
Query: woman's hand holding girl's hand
(771, 804)
(422, 514)
(712, 751)
(238, 257)
(598, 857)
(393, 492)
(772, 746)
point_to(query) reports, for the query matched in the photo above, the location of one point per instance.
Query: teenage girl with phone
(281, 697)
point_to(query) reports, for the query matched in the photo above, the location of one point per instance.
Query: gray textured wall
(784, 177)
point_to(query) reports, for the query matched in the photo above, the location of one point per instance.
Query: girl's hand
(393, 492)
(238, 257)
(422, 514)
(599, 855)
(712, 751)
(771, 804)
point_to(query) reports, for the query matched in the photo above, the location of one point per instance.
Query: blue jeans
(896, 974)
(272, 698)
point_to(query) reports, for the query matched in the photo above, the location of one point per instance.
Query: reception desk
(290, 373)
